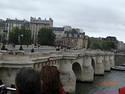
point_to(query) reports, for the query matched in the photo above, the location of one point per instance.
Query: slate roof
(58, 29)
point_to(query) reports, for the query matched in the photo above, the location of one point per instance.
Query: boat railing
(6, 90)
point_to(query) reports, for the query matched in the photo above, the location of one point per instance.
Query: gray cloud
(96, 17)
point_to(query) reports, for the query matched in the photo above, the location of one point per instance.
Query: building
(34, 25)
(82, 41)
(69, 37)
(75, 39)
(65, 36)
(11, 23)
(121, 45)
(37, 24)
(59, 32)
(2, 31)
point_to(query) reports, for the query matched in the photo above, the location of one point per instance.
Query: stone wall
(119, 59)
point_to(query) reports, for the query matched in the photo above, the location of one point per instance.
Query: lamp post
(20, 41)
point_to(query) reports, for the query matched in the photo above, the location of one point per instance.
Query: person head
(28, 81)
(1, 82)
(51, 80)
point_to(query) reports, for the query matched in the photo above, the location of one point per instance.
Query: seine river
(107, 84)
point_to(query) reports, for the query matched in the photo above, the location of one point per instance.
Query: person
(122, 90)
(32, 50)
(28, 81)
(51, 83)
(1, 82)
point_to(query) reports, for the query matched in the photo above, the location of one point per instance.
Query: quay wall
(119, 59)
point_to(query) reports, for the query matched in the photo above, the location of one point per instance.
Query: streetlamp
(20, 41)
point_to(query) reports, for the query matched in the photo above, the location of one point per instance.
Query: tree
(14, 35)
(103, 44)
(26, 36)
(46, 36)
(20, 36)
(96, 45)
(108, 45)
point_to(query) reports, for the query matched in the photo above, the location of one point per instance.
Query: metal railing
(6, 90)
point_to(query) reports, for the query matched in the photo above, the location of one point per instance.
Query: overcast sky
(98, 18)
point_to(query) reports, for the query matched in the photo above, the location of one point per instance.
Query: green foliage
(13, 36)
(103, 44)
(26, 39)
(94, 43)
(46, 36)
(20, 36)
(96, 46)
(108, 45)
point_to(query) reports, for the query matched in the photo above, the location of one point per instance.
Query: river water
(107, 84)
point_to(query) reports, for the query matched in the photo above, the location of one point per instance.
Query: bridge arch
(77, 70)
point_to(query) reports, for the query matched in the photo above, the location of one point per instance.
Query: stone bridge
(73, 65)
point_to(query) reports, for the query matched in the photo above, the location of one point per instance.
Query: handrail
(3, 87)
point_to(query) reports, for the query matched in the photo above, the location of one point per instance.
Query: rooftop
(58, 29)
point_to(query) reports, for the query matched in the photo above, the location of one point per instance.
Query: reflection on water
(107, 84)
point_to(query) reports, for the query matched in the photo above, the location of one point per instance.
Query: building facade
(121, 45)
(59, 32)
(75, 39)
(2, 31)
(11, 23)
(34, 25)
(70, 38)
(65, 36)
(37, 24)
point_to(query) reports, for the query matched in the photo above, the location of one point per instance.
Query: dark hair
(51, 80)
(28, 81)
(1, 82)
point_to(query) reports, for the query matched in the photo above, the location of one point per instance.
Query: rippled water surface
(107, 84)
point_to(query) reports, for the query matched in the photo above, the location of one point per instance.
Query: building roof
(58, 29)
(16, 21)
(40, 21)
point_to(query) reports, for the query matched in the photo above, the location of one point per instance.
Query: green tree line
(20, 36)
(46, 36)
(104, 44)
(23, 36)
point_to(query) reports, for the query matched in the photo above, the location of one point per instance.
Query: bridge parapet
(15, 61)
(70, 56)
(98, 53)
